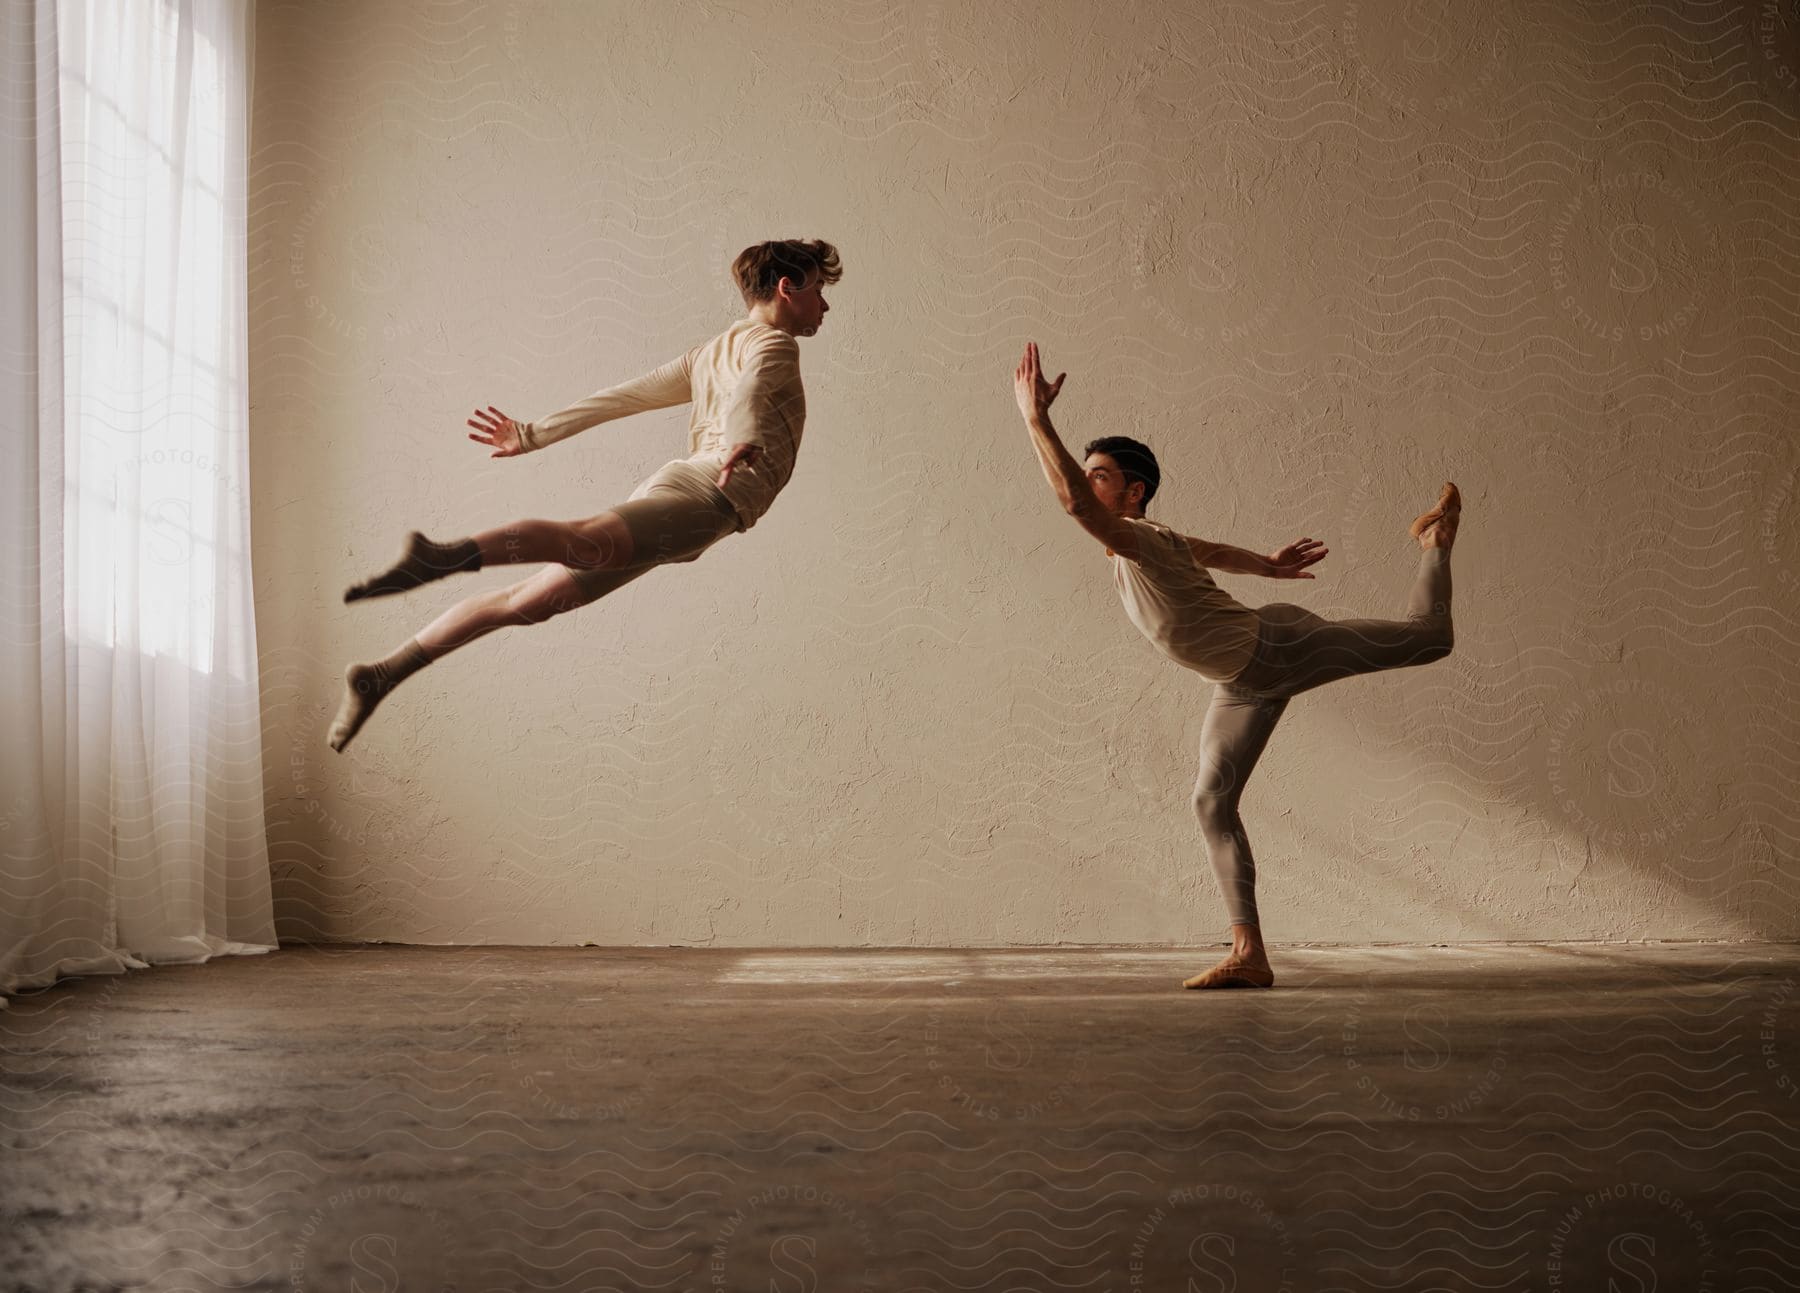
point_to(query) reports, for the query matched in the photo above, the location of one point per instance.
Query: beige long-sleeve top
(745, 388)
(1176, 604)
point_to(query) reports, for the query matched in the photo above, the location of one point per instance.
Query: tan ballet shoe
(1233, 973)
(1448, 510)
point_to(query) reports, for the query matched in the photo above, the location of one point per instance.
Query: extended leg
(660, 523)
(1319, 651)
(598, 543)
(670, 517)
(1232, 739)
(1306, 651)
(549, 592)
(602, 542)
(674, 516)
(420, 561)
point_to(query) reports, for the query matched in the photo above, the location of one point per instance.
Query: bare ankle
(1246, 942)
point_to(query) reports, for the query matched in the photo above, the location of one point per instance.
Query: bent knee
(1216, 810)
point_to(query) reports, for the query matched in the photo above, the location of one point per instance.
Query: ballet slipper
(1233, 973)
(1447, 510)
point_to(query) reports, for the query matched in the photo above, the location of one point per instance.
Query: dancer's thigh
(592, 585)
(663, 526)
(1332, 649)
(1301, 650)
(1236, 731)
(669, 525)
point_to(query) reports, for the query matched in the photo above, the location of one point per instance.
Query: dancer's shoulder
(1141, 542)
(751, 338)
(1154, 536)
(768, 335)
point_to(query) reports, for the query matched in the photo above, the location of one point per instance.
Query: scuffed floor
(478, 1118)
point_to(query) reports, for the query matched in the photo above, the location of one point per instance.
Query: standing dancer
(1259, 658)
(743, 437)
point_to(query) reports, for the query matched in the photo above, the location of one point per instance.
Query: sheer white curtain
(131, 818)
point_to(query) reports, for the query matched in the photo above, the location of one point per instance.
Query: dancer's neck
(762, 314)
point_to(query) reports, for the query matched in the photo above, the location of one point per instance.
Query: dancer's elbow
(1080, 504)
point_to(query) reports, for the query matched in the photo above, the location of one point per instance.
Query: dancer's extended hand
(1291, 562)
(1035, 395)
(492, 427)
(740, 453)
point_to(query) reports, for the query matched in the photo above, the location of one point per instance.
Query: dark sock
(421, 561)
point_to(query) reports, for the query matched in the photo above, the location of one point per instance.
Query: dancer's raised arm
(1066, 476)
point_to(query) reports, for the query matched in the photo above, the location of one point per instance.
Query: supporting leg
(1236, 731)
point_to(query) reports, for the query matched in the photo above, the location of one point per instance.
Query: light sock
(367, 685)
(421, 561)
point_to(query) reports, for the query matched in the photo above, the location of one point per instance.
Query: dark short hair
(760, 269)
(1135, 461)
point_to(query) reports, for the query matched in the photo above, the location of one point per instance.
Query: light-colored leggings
(1296, 651)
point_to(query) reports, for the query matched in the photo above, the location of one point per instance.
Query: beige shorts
(675, 515)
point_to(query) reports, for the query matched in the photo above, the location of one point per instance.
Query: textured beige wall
(1322, 256)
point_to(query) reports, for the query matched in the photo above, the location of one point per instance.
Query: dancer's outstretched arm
(666, 386)
(1065, 475)
(1284, 563)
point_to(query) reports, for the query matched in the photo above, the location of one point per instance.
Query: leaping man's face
(806, 308)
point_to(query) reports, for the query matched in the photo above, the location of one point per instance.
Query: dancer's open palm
(1034, 394)
(1291, 562)
(494, 428)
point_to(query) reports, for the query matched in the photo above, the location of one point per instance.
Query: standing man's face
(1110, 486)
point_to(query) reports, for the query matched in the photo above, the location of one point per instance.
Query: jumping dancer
(743, 437)
(1259, 658)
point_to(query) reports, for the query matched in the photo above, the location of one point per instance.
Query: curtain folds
(131, 813)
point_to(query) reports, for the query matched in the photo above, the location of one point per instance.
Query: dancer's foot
(421, 561)
(365, 687)
(1437, 527)
(1235, 971)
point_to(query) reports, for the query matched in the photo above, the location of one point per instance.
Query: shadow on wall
(1635, 753)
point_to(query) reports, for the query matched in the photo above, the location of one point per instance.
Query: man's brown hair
(760, 269)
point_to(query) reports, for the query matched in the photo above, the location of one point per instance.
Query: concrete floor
(425, 1118)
